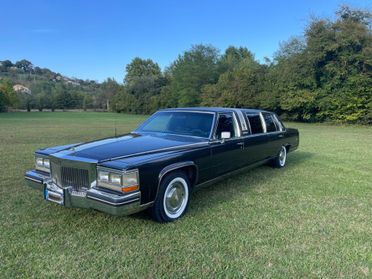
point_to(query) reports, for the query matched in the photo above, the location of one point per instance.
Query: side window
(278, 123)
(255, 123)
(226, 123)
(270, 125)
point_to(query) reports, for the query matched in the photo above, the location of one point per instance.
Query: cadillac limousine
(158, 164)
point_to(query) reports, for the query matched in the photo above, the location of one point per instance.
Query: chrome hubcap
(282, 156)
(175, 197)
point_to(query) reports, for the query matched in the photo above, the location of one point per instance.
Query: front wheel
(280, 160)
(173, 198)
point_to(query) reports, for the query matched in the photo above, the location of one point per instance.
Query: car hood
(129, 145)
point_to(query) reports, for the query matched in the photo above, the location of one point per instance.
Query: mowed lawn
(311, 219)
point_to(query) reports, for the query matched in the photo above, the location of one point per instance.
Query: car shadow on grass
(231, 188)
(234, 186)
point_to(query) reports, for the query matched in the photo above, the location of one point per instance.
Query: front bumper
(114, 204)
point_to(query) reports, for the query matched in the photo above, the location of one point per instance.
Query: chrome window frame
(236, 122)
(242, 120)
(278, 122)
(264, 122)
(189, 111)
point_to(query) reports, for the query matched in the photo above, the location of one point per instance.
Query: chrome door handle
(280, 136)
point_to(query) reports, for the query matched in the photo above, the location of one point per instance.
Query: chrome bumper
(114, 204)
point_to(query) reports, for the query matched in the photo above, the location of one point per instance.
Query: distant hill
(25, 73)
(42, 88)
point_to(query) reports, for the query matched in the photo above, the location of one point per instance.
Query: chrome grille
(77, 178)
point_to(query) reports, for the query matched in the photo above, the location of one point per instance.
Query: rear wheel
(173, 197)
(281, 159)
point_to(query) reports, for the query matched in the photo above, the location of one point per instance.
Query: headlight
(103, 176)
(126, 181)
(115, 179)
(42, 164)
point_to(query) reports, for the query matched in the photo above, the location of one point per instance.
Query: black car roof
(215, 109)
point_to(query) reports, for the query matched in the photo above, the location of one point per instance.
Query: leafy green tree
(191, 71)
(63, 98)
(7, 95)
(142, 86)
(232, 58)
(108, 89)
(24, 65)
(88, 102)
(125, 102)
(238, 87)
(291, 79)
(327, 74)
(5, 65)
(141, 68)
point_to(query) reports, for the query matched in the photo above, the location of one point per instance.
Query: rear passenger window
(226, 123)
(279, 124)
(255, 123)
(269, 121)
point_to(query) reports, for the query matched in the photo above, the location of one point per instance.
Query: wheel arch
(189, 167)
(287, 146)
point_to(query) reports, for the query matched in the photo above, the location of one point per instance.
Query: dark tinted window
(278, 122)
(270, 125)
(226, 124)
(183, 123)
(255, 123)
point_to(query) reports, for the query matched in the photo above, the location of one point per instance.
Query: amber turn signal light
(130, 189)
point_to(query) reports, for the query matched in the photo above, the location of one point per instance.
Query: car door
(274, 135)
(226, 154)
(255, 143)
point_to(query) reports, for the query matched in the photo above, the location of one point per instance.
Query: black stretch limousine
(157, 165)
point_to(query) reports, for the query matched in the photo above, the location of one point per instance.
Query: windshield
(179, 122)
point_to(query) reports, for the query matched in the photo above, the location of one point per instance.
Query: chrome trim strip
(176, 166)
(181, 110)
(110, 195)
(214, 139)
(241, 119)
(260, 134)
(117, 171)
(175, 110)
(173, 148)
(263, 123)
(167, 133)
(112, 203)
(33, 179)
(237, 125)
(213, 126)
(277, 122)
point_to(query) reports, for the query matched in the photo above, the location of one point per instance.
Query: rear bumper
(114, 204)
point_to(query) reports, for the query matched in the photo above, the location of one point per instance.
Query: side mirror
(225, 135)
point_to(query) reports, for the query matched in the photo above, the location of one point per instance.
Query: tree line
(324, 75)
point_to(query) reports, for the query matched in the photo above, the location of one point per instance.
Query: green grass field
(311, 219)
